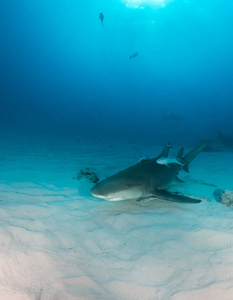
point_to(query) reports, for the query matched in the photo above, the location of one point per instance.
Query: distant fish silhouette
(101, 19)
(225, 140)
(173, 117)
(133, 55)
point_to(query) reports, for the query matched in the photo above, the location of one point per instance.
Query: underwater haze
(64, 74)
(88, 89)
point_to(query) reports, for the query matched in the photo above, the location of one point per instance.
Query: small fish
(166, 161)
(173, 117)
(101, 19)
(133, 55)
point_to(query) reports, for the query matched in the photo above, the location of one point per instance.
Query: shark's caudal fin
(164, 195)
(192, 154)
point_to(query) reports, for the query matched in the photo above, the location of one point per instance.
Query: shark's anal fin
(179, 180)
(165, 195)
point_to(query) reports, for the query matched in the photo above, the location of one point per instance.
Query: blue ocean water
(76, 93)
(64, 74)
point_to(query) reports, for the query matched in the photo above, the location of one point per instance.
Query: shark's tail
(191, 155)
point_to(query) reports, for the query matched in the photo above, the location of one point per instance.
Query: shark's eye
(131, 185)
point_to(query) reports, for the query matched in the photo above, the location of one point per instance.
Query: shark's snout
(116, 190)
(96, 191)
(101, 190)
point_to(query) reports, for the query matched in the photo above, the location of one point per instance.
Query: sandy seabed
(58, 242)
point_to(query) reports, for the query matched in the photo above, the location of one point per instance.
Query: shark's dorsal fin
(165, 151)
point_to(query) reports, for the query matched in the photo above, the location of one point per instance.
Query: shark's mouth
(106, 197)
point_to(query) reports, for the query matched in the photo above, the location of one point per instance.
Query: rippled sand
(59, 242)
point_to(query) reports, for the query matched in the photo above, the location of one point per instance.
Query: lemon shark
(148, 179)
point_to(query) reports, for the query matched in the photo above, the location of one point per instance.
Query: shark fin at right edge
(165, 195)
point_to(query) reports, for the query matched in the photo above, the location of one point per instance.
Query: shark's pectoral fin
(165, 195)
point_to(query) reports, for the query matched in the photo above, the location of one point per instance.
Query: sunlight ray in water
(146, 3)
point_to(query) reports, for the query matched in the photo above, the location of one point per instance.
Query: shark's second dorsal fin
(180, 153)
(165, 151)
